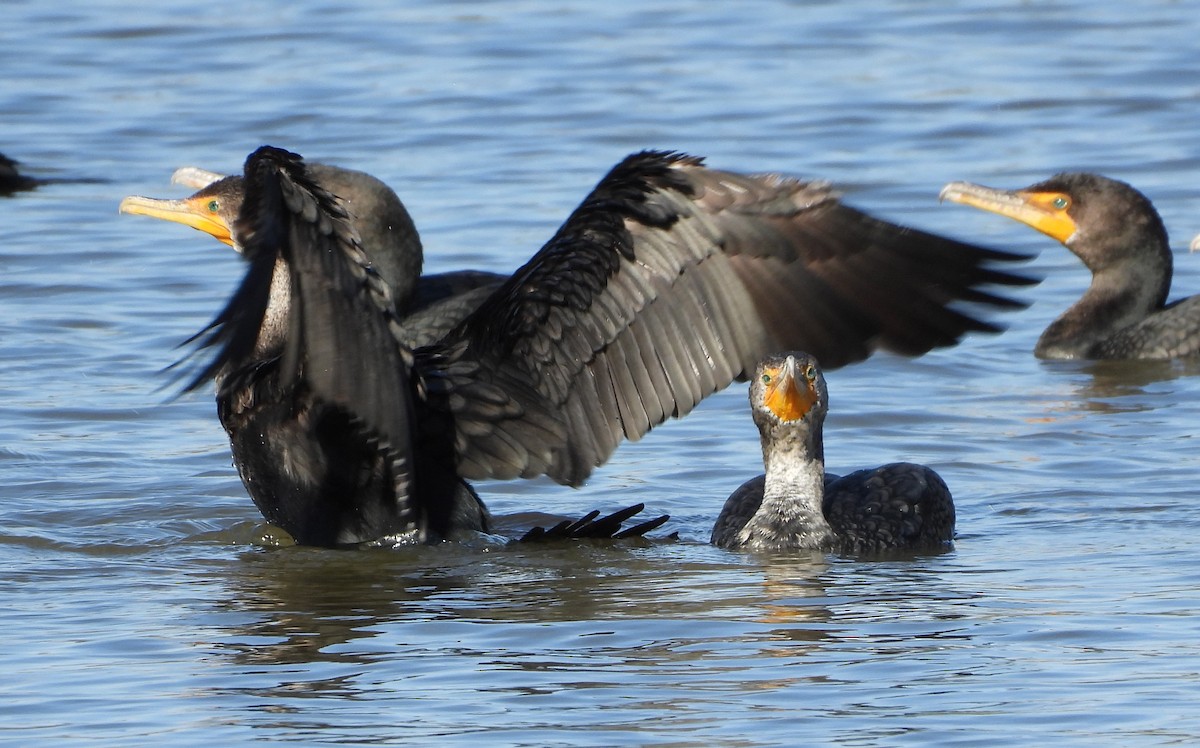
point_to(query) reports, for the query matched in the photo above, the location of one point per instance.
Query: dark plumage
(1119, 236)
(11, 179)
(430, 305)
(796, 505)
(667, 283)
(592, 525)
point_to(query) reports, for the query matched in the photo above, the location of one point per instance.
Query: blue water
(139, 606)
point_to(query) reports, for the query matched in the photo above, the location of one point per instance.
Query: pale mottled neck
(790, 514)
(275, 320)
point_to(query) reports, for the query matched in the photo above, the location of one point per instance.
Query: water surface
(139, 606)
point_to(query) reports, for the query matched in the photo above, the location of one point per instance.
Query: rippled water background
(136, 605)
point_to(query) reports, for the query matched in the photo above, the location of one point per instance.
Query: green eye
(213, 206)
(810, 372)
(766, 378)
(1061, 202)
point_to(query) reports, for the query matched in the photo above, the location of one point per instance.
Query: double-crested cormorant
(669, 281)
(1118, 234)
(431, 305)
(797, 505)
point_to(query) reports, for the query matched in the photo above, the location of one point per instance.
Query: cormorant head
(788, 388)
(1104, 221)
(211, 210)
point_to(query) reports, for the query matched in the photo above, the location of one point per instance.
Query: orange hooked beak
(202, 213)
(1045, 211)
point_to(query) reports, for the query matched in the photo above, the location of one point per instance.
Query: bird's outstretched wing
(670, 281)
(338, 340)
(593, 526)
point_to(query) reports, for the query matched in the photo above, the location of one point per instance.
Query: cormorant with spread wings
(667, 283)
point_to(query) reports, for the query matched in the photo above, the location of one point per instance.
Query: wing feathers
(671, 280)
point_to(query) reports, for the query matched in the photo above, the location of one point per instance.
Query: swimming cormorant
(11, 179)
(668, 282)
(796, 505)
(1118, 234)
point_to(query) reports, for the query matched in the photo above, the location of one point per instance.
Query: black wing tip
(1015, 279)
(1000, 255)
(262, 172)
(985, 298)
(640, 529)
(594, 527)
(639, 173)
(993, 271)
(664, 157)
(273, 154)
(987, 264)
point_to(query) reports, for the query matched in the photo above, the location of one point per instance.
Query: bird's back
(900, 506)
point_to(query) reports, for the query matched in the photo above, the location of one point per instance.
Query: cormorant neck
(1122, 293)
(790, 514)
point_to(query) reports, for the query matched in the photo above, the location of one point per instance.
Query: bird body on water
(667, 283)
(11, 179)
(1119, 236)
(796, 505)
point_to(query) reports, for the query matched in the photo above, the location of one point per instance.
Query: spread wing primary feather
(670, 281)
